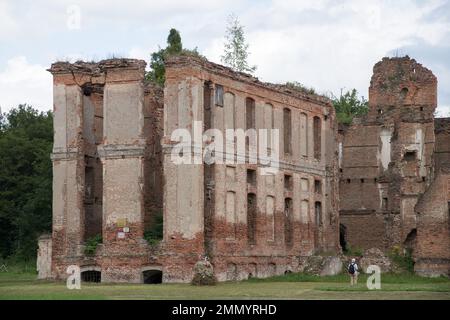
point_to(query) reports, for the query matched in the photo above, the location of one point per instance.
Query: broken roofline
(97, 68)
(61, 67)
(179, 61)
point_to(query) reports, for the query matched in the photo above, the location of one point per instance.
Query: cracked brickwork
(390, 159)
(113, 173)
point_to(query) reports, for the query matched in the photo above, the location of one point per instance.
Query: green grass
(292, 286)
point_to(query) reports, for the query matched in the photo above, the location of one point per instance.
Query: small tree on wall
(157, 74)
(236, 49)
(349, 105)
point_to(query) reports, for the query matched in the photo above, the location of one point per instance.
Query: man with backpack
(353, 272)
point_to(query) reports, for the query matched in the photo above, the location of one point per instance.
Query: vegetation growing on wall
(157, 74)
(91, 244)
(236, 48)
(349, 105)
(154, 233)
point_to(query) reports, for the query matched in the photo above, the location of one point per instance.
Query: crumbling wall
(432, 252)
(98, 161)
(250, 223)
(442, 149)
(387, 156)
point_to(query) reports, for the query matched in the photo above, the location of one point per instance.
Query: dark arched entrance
(152, 276)
(342, 237)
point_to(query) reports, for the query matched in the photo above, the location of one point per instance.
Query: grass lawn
(293, 286)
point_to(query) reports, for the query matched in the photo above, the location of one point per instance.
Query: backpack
(351, 268)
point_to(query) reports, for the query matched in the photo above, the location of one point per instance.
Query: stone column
(183, 187)
(68, 171)
(122, 155)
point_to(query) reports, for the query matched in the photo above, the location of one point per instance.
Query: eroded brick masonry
(382, 181)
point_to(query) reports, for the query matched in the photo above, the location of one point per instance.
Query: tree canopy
(174, 47)
(26, 138)
(236, 48)
(349, 105)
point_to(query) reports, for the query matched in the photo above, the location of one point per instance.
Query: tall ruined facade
(248, 223)
(113, 174)
(389, 166)
(106, 143)
(382, 181)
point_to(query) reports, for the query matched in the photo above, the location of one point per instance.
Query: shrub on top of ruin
(157, 74)
(90, 246)
(349, 105)
(297, 86)
(154, 234)
(236, 48)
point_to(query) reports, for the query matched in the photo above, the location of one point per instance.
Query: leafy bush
(297, 86)
(154, 233)
(91, 244)
(404, 260)
(353, 251)
(349, 105)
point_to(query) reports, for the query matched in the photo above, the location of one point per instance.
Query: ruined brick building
(379, 182)
(394, 186)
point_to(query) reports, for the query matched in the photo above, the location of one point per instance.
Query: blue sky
(325, 44)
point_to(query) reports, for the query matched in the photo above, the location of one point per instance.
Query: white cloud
(8, 25)
(22, 82)
(322, 43)
(332, 45)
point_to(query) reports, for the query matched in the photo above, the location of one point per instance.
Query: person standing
(353, 272)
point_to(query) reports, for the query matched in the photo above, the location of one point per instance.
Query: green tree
(349, 105)
(236, 48)
(26, 138)
(158, 58)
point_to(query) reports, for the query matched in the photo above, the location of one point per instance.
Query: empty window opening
(318, 213)
(409, 156)
(317, 129)
(93, 191)
(251, 218)
(230, 211)
(362, 180)
(342, 237)
(219, 95)
(250, 119)
(270, 217)
(318, 186)
(91, 276)
(287, 131)
(348, 181)
(251, 177)
(207, 95)
(288, 221)
(152, 276)
(410, 243)
(384, 204)
(288, 182)
(403, 93)
(421, 108)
